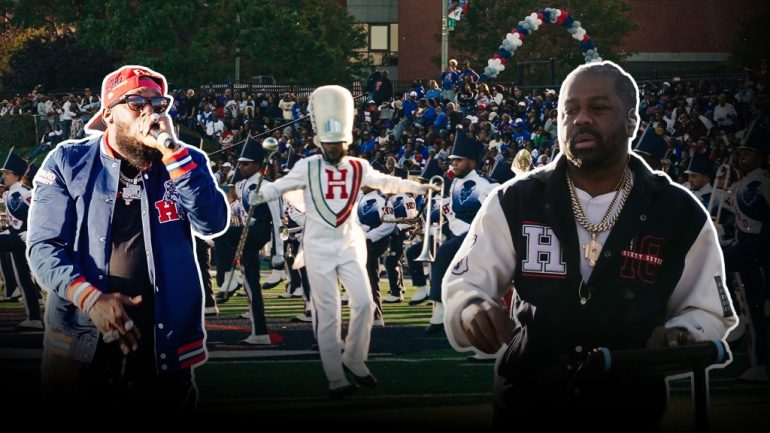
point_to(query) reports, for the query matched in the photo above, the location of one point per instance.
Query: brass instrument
(285, 232)
(522, 162)
(408, 221)
(723, 170)
(429, 249)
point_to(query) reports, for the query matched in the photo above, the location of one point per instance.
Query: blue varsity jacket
(69, 244)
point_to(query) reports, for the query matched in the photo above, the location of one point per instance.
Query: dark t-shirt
(128, 272)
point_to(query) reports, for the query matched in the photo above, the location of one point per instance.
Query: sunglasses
(137, 102)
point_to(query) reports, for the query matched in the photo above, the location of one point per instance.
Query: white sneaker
(420, 295)
(257, 340)
(297, 293)
(390, 299)
(30, 324)
(755, 374)
(303, 317)
(273, 279)
(438, 314)
(246, 315)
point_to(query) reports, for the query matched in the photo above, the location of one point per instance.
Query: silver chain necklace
(132, 189)
(592, 249)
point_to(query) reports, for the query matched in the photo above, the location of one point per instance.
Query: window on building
(382, 46)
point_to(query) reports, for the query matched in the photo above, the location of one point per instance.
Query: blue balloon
(568, 22)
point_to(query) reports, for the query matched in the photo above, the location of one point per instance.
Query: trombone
(724, 170)
(429, 248)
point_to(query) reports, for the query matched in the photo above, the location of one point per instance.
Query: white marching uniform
(333, 245)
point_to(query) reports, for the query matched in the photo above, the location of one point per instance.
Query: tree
(56, 62)
(302, 41)
(194, 42)
(488, 21)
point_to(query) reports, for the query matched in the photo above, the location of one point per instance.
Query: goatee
(133, 151)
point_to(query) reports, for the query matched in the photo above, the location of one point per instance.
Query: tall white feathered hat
(331, 113)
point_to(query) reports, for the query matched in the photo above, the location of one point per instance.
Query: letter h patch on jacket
(167, 208)
(543, 252)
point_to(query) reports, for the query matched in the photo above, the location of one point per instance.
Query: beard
(603, 154)
(132, 150)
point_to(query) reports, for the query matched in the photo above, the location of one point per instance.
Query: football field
(423, 382)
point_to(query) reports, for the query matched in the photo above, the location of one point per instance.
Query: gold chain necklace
(592, 249)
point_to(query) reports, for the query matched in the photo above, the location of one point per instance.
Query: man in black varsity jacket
(602, 253)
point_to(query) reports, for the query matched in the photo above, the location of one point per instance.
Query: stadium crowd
(688, 130)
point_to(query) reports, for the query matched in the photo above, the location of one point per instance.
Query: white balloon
(575, 24)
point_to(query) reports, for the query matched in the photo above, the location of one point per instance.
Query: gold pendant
(591, 250)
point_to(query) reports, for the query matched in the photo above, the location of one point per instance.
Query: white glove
(277, 262)
(23, 236)
(424, 188)
(256, 198)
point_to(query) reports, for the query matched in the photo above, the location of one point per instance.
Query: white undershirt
(594, 208)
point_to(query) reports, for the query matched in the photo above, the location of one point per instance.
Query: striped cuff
(179, 163)
(82, 294)
(191, 354)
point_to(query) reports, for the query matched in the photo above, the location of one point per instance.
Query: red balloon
(539, 15)
(562, 17)
(586, 38)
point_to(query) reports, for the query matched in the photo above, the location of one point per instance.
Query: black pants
(13, 244)
(203, 251)
(747, 257)
(443, 260)
(226, 246)
(296, 277)
(393, 264)
(375, 250)
(119, 382)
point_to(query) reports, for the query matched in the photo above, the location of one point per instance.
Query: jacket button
(642, 217)
(547, 205)
(608, 253)
(578, 349)
(160, 326)
(162, 356)
(101, 277)
(164, 367)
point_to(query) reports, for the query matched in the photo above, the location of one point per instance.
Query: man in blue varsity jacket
(601, 252)
(111, 239)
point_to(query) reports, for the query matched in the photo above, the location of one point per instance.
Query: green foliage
(31, 65)
(195, 42)
(18, 131)
(302, 41)
(488, 22)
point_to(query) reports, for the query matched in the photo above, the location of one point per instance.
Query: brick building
(671, 35)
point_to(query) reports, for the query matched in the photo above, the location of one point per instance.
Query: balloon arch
(515, 38)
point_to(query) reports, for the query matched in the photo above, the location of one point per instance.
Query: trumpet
(285, 232)
(429, 249)
(723, 170)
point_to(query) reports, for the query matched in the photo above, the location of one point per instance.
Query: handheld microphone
(163, 137)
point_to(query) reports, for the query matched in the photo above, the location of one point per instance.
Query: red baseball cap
(118, 83)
